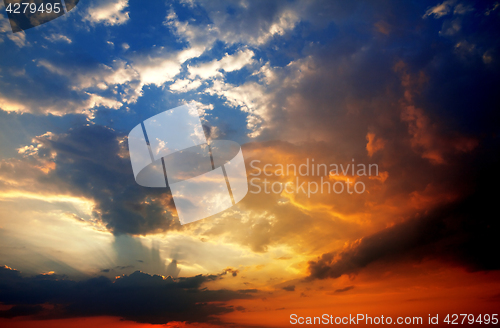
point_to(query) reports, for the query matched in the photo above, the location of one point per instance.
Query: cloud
(462, 233)
(91, 162)
(329, 88)
(56, 37)
(139, 297)
(426, 136)
(81, 85)
(374, 144)
(92, 78)
(109, 12)
(447, 7)
(161, 66)
(251, 98)
(440, 10)
(228, 63)
(185, 85)
(78, 85)
(250, 23)
(19, 39)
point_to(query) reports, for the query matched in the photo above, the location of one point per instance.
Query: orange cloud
(374, 144)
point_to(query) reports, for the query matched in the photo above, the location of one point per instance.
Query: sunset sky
(409, 87)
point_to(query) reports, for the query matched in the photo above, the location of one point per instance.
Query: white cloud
(123, 79)
(12, 105)
(157, 70)
(285, 22)
(254, 30)
(252, 26)
(55, 37)
(228, 63)
(109, 12)
(251, 98)
(58, 107)
(201, 36)
(185, 85)
(264, 102)
(266, 73)
(96, 101)
(18, 38)
(86, 82)
(162, 67)
(100, 76)
(202, 109)
(156, 67)
(4, 25)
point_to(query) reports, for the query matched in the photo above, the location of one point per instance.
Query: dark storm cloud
(139, 297)
(20, 311)
(462, 66)
(353, 77)
(464, 232)
(88, 163)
